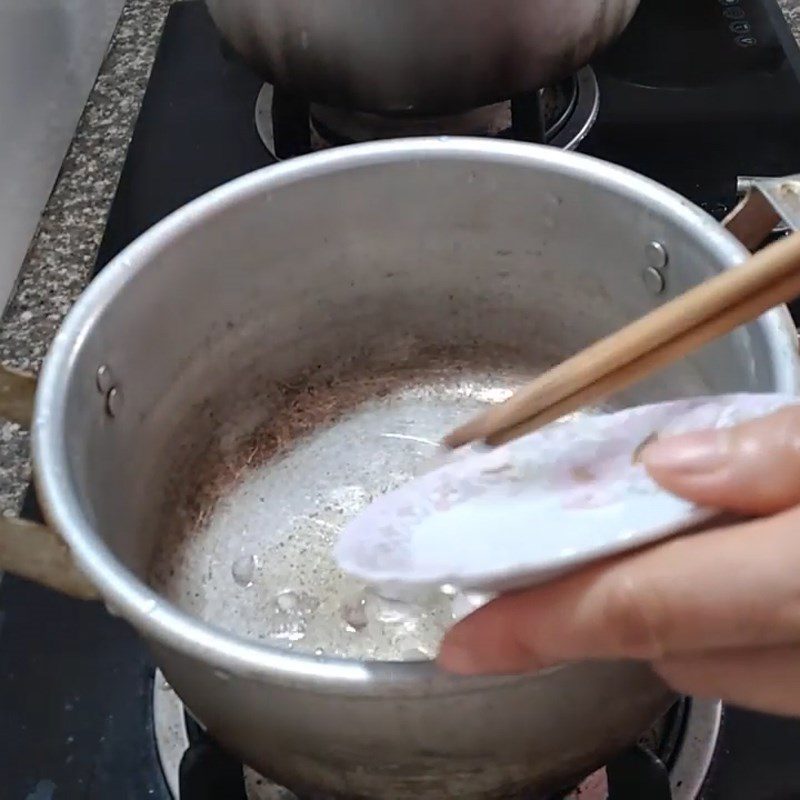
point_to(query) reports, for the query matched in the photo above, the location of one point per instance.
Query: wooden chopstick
(653, 342)
(655, 360)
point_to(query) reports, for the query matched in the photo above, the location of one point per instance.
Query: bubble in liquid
(244, 570)
(287, 627)
(296, 603)
(392, 612)
(354, 612)
(288, 621)
(287, 601)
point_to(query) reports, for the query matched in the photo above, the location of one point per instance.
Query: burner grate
(561, 115)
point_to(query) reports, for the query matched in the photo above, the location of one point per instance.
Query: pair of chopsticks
(657, 340)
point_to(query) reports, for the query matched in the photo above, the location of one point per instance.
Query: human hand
(717, 614)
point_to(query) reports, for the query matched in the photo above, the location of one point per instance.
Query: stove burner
(682, 742)
(566, 112)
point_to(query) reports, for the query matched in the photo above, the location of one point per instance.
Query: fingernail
(691, 452)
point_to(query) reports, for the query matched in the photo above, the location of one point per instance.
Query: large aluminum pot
(418, 56)
(460, 243)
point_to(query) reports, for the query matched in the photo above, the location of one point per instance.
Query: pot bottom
(560, 115)
(684, 739)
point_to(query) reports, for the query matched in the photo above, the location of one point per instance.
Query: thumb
(752, 469)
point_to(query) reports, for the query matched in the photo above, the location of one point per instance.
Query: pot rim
(127, 595)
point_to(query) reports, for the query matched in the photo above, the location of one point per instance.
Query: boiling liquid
(260, 564)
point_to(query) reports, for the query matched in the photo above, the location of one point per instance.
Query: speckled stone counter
(64, 248)
(791, 8)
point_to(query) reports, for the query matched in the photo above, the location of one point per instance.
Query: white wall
(50, 54)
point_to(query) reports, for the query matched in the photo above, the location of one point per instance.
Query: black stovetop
(696, 93)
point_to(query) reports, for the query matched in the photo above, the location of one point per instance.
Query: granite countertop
(64, 248)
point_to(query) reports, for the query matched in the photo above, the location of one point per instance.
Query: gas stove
(696, 94)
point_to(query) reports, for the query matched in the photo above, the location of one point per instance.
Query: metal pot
(418, 56)
(385, 251)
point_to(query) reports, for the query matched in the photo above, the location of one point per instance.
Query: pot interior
(298, 341)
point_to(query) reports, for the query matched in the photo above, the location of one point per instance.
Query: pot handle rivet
(113, 401)
(657, 256)
(654, 280)
(104, 379)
